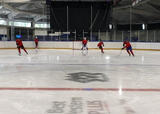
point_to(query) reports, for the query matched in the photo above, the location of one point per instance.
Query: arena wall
(3, 30)
(78, 45)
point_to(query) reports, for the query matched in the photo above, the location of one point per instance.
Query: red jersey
(100, 44)
(126, 44)
(19, 42)
(84, 41)
(36, 40)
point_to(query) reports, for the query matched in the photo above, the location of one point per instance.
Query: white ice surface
(51, 68)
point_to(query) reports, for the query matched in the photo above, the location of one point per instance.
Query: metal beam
(12, 15)
(37, 18)
(144, 12)
(151, 7)
(7, 6)
(128, 6)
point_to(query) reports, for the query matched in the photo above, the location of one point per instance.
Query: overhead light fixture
(143, 27)
(110, 26)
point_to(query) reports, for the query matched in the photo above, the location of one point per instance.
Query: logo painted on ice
(77, 105)
(85, 77)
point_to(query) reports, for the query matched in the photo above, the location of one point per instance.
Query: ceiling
(27, 10)
(146, 11)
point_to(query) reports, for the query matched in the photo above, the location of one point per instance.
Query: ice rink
(76, 82)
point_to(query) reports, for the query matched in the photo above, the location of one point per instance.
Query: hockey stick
(120, 53)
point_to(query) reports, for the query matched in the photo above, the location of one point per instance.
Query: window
(42, 25)
(3, 22)
(20, 24)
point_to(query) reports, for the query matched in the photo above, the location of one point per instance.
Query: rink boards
(78, 45)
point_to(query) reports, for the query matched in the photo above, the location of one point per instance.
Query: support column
(33, 27)
(12, 30)
(130, 23)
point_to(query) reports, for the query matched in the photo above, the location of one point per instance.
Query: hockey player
(36, 42)
(84, 43)
(20, 46)
(127, 45)
(101, 45)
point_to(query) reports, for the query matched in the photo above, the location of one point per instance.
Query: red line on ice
(82, 89)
